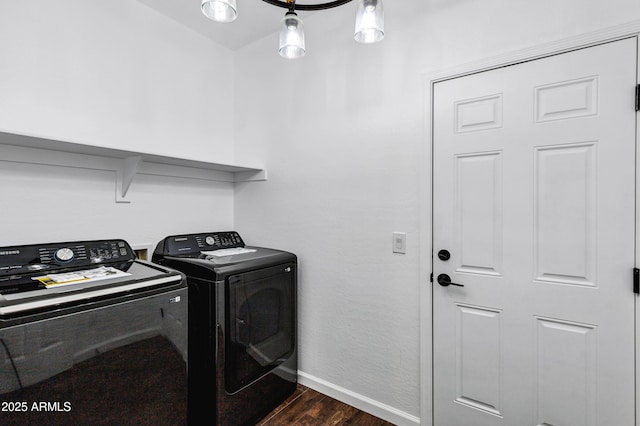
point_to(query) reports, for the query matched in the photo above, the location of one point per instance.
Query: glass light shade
(220, 10)
(369, 21)
(291, 37)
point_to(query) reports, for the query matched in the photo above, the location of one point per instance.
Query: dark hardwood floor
(306, 407)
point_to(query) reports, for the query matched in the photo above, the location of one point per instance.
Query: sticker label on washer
(227, 252)
(85, 276)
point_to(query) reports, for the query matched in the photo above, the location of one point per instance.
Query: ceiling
(256, 20)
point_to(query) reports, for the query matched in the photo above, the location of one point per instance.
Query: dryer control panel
(193, 244)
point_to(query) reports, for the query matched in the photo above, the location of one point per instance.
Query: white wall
(340, 130)
(115, 74)
(43, 203)
(344, 135)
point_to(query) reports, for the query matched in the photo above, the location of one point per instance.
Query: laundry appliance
(242, 325)
(89, 335)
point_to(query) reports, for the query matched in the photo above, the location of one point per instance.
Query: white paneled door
(534, 195)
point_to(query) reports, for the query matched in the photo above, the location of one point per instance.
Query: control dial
(209, 240)
(64, 254)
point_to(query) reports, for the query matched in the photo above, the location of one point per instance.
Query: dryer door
(260, 323)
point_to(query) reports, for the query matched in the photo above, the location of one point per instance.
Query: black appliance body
(91, 336)
(242, 325)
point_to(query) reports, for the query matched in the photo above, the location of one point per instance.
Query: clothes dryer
(242, 325)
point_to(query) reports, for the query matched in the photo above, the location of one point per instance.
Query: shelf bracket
(124, 177)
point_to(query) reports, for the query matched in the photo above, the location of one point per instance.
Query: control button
(64, 254)
(36, 267)
(209, 240)
(123, 252)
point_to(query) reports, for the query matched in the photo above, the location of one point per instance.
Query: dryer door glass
(260, 323)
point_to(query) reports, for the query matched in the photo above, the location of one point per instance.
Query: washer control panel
(193, 244)
(30, 258)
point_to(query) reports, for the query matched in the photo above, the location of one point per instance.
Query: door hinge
(638, 97)
(636, 280)
(431, 277)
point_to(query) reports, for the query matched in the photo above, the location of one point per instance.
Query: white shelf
(126, 164)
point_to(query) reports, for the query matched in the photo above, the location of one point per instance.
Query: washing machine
(89, 335)
(242, 325)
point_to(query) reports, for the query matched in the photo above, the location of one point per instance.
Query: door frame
(628, 30)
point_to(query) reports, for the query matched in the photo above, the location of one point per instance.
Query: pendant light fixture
(369, 21)
(291, 36)
(220, 10)
(369, 26)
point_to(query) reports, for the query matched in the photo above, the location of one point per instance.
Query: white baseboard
(361, 402)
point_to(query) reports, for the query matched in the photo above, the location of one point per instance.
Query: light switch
(399, 242)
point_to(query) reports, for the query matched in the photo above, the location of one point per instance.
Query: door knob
(445, 280)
